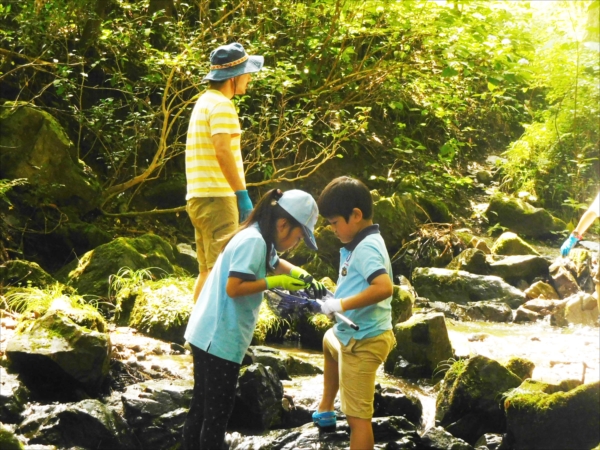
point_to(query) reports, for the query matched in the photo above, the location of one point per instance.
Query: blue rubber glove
(244, 204)
(571, 242)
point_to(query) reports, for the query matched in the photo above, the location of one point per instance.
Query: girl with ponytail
(222, 323)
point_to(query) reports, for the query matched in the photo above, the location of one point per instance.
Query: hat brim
(309, 238)
(253, 64)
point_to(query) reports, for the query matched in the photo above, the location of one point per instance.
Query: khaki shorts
(213, 218)
(357, 364)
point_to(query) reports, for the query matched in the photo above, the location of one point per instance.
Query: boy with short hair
(364, 295)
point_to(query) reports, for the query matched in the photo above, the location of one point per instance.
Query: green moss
(8, 440)
(521, 367)
(163, 307)
(267, 321)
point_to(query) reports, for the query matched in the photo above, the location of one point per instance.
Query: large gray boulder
(54, 354)
(258, 399)
(520, 267)
(521, 217)
(156, 411)
(86, 424)
(34, 146)
(461, 287)
(422, 343)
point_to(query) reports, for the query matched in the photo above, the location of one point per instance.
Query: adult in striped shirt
(217, 199)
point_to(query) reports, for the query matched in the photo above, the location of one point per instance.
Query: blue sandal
(325, 421)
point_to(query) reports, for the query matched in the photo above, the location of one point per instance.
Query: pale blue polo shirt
(362, 260)
(221, 325)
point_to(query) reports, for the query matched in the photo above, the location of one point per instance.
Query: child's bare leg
(361, 433)
(331, 382)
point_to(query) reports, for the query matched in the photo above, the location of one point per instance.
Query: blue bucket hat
(231, 60)
(302, 207)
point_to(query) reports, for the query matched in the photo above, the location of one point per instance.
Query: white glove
(331, 306)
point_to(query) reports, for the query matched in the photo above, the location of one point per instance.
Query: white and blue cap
(302, 207)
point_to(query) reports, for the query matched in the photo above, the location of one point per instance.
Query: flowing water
(558, 354)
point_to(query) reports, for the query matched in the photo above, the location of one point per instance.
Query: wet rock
(437, 438)
(542, 291)
(396, 432)
(490, 441)
(489, 311)
(87, 424)
(522, 314)
(521, 217)
(580, 309)
(13, 397)
(393, 402)
(282, 363)
(54, 352)
(520, 267)
(471, 260)
(468, 403)
(537, 420)
(156, 411)
(258, 399)
(464, 287)
(563, 280)
(511, 244)
(422, 343)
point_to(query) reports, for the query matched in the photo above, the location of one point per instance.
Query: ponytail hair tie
(277, 194)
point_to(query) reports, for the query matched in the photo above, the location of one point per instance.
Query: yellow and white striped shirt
(213, 113)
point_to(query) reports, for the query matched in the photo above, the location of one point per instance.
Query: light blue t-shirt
(361, 261)
(221, 325)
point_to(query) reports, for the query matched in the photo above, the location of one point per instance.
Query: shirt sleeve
(224, 119)
(371, 263)
(248, 258)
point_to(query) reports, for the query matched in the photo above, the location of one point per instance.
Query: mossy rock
(511, 244)
(437, 211)
(521, 367)
(8, 439)
(557, 421)
(521, 217)
(472, 390)
(325, 261)
(34, 146)
(91, 273)
(396, 216)
(402, 303)
(20, 273)
(162, 309)
(470, 260)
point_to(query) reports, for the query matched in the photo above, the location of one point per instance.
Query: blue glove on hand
(571, 241)
(244, 204)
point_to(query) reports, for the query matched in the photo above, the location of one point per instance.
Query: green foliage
(163, 307)
(7, 185)
(35, 302)
(267, 322)
(556, 159)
